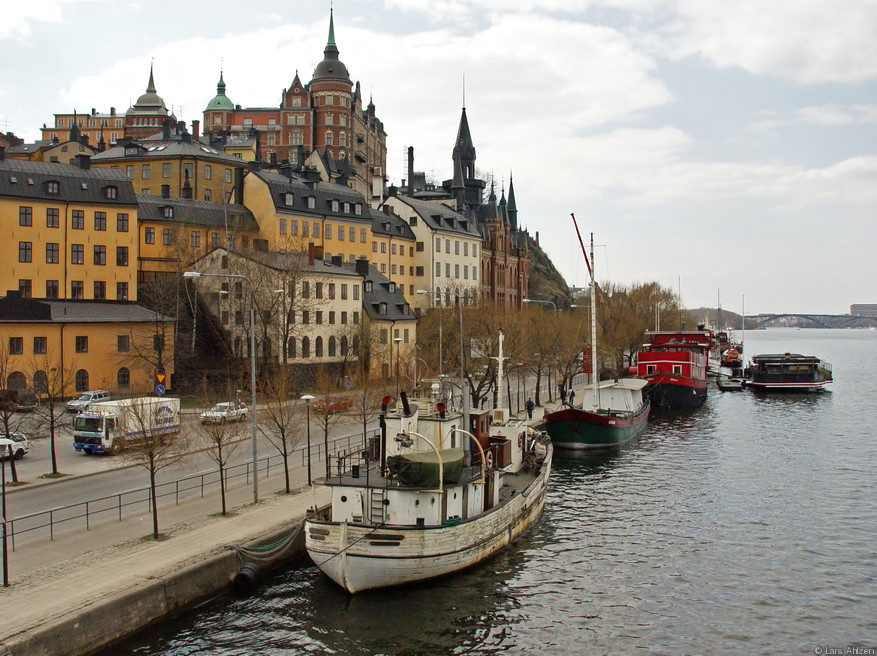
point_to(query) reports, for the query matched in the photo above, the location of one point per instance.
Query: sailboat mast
(595, 376)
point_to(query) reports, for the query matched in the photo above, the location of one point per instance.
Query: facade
(326, 114)
(73, 231)
(65, 347)
(58, 152)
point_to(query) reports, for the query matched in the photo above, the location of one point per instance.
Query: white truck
(110, 426)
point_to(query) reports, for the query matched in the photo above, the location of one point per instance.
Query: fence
(91, 512)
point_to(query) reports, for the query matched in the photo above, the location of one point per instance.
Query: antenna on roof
(464, 91)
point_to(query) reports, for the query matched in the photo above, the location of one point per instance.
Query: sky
(725, 150)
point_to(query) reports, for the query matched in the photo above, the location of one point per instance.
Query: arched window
(332, 346)
(16, 380)
(81, 380)
(305, 347)
(290, 348)
(318, 347)
(40, 383)
(343, 345)
(123, 378)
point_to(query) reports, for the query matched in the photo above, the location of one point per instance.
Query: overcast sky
(723, 149)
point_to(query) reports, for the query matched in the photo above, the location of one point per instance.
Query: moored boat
(675, 364)
(788, 372)
(610, 412)
(435, 500)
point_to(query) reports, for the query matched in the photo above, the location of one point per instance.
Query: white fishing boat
(432, 498)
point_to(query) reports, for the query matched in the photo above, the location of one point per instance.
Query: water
(745, 527)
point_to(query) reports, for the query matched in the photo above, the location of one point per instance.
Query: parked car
(17, 400)
(18, 446)
(223, 412)
(332, 404)
(86, 399)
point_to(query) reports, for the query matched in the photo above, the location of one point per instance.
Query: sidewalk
(55, 585)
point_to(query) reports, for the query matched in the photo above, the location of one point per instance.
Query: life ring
(489, 460)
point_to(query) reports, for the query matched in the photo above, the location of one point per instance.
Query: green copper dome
(220, 102)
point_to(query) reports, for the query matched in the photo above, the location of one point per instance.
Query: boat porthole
(455, 495)
(343, 499)
(432, 501)
(386, 502)
(417, 502)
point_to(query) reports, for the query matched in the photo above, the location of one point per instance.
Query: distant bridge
(797, 320)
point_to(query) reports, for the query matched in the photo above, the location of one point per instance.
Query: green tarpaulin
(422, 467)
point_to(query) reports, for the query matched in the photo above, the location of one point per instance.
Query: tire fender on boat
(489, 460)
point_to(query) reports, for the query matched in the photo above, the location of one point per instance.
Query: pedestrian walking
(530, 405)
(572, 396)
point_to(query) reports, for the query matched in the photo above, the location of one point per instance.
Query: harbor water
(745, 527)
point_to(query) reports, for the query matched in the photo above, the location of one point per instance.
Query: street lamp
(536, 300)
(398, 341)
(198, 274)
(307, 398)
(460, 306)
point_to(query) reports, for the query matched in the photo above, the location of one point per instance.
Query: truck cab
(94, 432)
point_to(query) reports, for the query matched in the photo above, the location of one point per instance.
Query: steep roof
(23, 179)
(164, 148)
(440, 217)
(220, 101)
(381, 291)
(15, 309)
(323, 193)
(191, 211)
(331, 68)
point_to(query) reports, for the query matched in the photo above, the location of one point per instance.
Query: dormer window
(391, 288)
(132, 150)
(112, 193)
(288, 199)
(312, 202)
(84, 186)
(53, 187)
(168, 212)
(368, 285)
(382, 308)
(357, 209)
(334, 205)
(347, 208)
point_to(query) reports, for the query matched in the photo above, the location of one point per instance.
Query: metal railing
(99, 510)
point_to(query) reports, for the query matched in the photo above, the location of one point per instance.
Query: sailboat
(610, 412)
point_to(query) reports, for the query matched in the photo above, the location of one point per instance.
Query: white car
(87, 398)
(224, 412)
(17, 446)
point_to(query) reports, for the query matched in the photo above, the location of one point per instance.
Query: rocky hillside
(546, 283)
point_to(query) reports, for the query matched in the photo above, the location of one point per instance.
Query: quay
(87, 589)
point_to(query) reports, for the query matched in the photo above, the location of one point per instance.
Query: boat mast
(595, 377)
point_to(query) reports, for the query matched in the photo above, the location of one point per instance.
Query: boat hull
(575, 429)
(675, 393)
(360, 557)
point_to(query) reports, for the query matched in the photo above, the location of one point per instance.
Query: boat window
(677, 369)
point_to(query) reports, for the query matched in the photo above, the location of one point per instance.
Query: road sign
(160, 378)
(159, 389)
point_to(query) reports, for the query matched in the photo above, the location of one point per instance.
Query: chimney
(186, 137)
(112, 111)
(411, 171)
(2, 153)
(83, 161)
(196, 130)
(314, 253)
(165, 191)
(93, 112)
(166, 130)
(362, 266)
(337, 260)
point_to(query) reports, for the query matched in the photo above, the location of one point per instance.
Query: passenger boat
(674, 364)
(610, 412)
(434, 499)
(788, 372)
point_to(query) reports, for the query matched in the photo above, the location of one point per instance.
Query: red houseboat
(674, 363)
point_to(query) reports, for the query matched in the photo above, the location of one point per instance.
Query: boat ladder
(377, 506)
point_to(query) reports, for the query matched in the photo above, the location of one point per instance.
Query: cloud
(18, 16)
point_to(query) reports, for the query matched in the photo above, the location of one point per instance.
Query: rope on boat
(371, 532)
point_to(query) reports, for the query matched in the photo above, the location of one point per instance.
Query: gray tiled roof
(439, 216)
(397, 307)
(195, 212)
(164, 149)
(23, 179)
(390, 225)
(14, 309)
(323, 192)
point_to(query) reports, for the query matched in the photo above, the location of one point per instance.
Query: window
(121, 222)
(331, 290)
(100, 220)
(418, 271)
(318, 317)
(312, 202)
(123, 343)
(343, 291)
(318, 347)
(81, 380)
(40, 345)
(466, 248)
(214, 239)
(77, 289)
(112, 193)
(208, 172)
(52, 253)
(228, 175)
(16, 345)
(393, 249)
(168, 212)
(208, 194)
(78, 220)
(363, 235)
(149, 235)
(124, 378)
(305, 289)
(384, 335)
(438, 245)
(129, 171)
(81, 344)
(100, 290)
(305, 316)
(351, 234)
(456, 271)
(456, 247)
(343, 318)
(25, 288)
(195, 239)
(121, 256)
(53, 217)
(438, 268)
(165, 170)
(331, 317)
(167, 237)
(25, 251)
(100, 255)
(121, 291)
(374, 247)
(355, 322)
(447, 269)
(332, 346)
(53, 187)
(383, 247)
(25, 216)
(52, 290)
(356, 292)
(145, 172)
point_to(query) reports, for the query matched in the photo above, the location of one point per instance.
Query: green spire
(331, 29)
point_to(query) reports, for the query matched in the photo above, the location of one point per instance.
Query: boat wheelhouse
(675, 365)
(788, 372)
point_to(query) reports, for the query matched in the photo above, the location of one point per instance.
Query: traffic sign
(159, 389)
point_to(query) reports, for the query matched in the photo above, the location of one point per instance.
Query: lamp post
(307, 398)
(536, 300)
(5, 449)
(398, 341)
(197, 274)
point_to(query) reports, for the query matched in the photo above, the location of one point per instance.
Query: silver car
(224, 412)
(87, 398)
(17, 445)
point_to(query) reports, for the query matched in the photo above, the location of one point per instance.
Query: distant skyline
(724, 150)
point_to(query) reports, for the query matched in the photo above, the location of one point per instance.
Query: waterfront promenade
(73, 594)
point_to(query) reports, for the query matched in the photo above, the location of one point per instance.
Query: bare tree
(221, 440)
(326, 413)
(281, 421)
(52, 383)
(366, 399)
(153, 450)
(9, 420)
